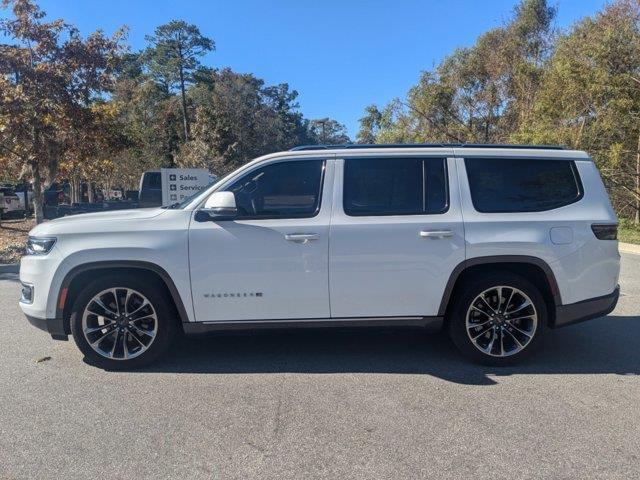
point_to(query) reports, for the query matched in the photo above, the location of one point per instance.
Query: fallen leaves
(13, 238)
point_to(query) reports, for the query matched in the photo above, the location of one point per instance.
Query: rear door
(396, 235)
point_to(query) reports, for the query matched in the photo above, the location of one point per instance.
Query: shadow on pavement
(606, 345)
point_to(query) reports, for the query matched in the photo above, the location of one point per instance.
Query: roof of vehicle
(466, 150)
(349, 146)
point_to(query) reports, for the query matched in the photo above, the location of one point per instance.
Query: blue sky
(339, 55)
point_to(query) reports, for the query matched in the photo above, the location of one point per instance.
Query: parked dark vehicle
(150, 194)
(56, 194)
(131, 195)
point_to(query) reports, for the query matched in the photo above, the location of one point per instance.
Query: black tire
(468, 292)
(155, 293)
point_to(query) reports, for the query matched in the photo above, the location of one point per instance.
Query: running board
(431, 323)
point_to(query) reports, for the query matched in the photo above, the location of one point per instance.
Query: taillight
(605, 231)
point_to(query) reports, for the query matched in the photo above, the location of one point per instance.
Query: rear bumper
(586, 309)
(53, 326)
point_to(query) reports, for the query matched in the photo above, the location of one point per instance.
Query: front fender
(172, 267)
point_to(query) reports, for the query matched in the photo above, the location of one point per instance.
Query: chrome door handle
(301, 237)
(436, 233)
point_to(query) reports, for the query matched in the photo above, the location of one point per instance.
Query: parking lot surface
(325, 404)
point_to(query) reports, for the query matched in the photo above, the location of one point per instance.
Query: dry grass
(13, 237)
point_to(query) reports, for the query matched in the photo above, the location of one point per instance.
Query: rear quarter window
(503, 185)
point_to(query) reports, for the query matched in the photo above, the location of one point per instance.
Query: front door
(271, 262)
(396, 235)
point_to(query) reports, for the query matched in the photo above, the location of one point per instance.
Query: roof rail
(423, 145)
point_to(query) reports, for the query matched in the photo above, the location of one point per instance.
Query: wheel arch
(534, 269)
(76, 277)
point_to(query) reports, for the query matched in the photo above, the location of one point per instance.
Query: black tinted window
(394, 186)
(153, 180)
(436, 190)
(515, 185)
(280, 190)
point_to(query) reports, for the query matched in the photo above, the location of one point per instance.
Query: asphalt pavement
(380, 404)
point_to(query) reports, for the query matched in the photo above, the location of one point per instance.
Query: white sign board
(180, 183)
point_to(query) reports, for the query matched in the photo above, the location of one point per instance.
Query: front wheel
(122, 323)
(498, 319)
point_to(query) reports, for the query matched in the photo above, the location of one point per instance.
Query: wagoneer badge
(233, 295)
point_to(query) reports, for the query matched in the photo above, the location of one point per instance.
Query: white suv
(496, 244)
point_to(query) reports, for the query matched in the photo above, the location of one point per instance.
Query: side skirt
(430, 323)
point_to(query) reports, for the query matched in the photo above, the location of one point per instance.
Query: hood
(84, 220)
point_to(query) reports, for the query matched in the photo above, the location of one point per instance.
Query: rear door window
(394, 186)
(503, 185)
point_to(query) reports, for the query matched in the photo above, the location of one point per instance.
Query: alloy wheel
(119, 323)
(501, 321)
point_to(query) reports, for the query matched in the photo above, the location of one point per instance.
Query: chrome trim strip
(311, 320)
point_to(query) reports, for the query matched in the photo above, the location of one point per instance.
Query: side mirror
(220, 206)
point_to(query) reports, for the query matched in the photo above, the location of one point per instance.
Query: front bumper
(54, 326)
(586, 309)
(39, 273)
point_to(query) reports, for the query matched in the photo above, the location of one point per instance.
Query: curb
(10, 267)
(629, 248)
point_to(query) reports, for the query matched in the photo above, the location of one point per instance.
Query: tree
(238, 118)
(150, 118)
(91, 147)
(49, 77)
(590, 99)
(476, 94)
(370, 125)
(328, 131)
(232, 123)
(288, 121)
(531, 38)
(173, 58)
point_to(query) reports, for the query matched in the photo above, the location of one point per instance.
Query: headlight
(40, 245)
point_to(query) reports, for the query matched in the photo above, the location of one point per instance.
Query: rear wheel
(122, 323)
(497, 319)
